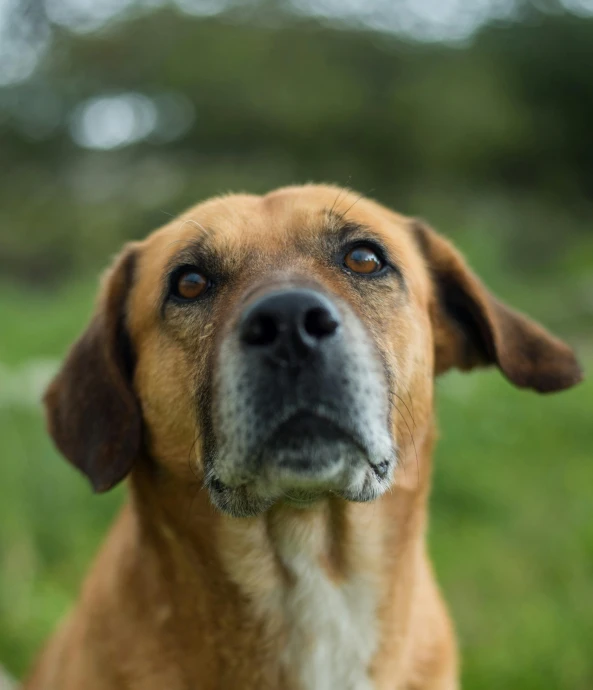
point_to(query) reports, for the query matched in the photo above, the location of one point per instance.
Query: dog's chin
(306, 460)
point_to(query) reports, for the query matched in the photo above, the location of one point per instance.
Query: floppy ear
(472, 328)
(92, 413)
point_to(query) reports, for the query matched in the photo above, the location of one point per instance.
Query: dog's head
(282, 345)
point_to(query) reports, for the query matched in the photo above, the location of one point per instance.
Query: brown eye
(363, 259)
(190, 285)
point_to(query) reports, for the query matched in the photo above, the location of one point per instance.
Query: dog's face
(284, 346)
(286, 330)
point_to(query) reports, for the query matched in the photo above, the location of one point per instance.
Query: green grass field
(511, 521)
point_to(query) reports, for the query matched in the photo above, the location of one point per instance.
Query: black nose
(288, 326)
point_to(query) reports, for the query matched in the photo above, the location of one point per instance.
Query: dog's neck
(320, 582)
(315, 582)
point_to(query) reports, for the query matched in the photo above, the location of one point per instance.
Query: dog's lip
(321, 425)
(251, 479)
(315, 416)
(303, 415)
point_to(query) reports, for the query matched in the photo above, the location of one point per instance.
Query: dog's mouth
(305, 423)
(307, 457)
(305, 440)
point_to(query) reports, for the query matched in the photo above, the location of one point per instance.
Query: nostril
(260, 330)
(320, 322)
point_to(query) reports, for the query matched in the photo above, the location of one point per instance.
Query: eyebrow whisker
(345, 189)
(196, 224)
(360, 196)
(183, 239)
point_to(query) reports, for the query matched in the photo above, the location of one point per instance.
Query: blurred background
(478, 116)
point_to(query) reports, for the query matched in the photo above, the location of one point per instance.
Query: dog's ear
(92, 412)
(472, 328)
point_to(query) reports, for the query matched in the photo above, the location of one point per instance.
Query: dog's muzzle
(300, 406)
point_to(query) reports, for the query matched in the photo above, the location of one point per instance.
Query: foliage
(502, 123)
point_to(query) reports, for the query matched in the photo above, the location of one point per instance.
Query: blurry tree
(121, 126)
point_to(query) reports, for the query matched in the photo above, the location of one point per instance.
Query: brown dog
(262, 371)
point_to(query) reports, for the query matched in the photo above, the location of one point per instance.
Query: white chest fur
(329, 624)
(331, 628)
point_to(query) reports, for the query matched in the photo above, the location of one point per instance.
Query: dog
(261, 370)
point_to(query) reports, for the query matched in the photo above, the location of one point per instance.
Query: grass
(511, 520)
(512, 531)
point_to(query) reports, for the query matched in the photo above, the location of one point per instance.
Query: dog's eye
(363, 259)
(190, 284)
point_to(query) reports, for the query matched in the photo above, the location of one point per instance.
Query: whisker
(195, 224)
(345, 189)
(407, 408)
(183, 223)
(360, 196)
(183, 239)
(411, 402)
(413, 442)
(189, 457)
(286, 494)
